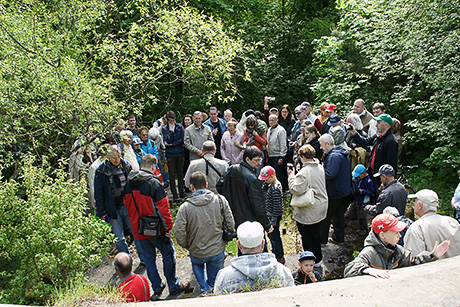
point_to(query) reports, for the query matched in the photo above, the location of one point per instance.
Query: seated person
(254, 270)
(382, 253)
(305, 274)
(133, 287)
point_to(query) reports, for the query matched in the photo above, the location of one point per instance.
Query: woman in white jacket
(309, 218)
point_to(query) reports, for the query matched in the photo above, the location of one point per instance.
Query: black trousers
(335, 215)
(311, 241)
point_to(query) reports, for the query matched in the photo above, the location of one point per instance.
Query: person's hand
(214, 132)
(280, 161)
(368, 208)
(312, 276)
(453, 206)
(254, 133)
(200, 153)
(103, 217)
(266, 102)
(377, 273)
(168, 234)
(352, 131)
(167, 144)
(270, 230)
(440, 249)
(289, 171)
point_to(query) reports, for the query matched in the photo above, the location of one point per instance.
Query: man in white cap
(431, 228)
(254, 270)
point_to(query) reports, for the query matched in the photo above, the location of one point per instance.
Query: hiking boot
(184, 287)
(332, 240)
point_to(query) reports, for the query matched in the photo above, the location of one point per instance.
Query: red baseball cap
(266, 172)
(384, 222)
(331, 107)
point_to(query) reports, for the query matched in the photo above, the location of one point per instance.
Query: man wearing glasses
(244, 191)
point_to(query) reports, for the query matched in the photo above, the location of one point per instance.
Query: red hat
(266, 172)
(384, 222)
(331, 107)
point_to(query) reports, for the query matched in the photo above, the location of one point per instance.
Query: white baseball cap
(250, 234)
(426, 196)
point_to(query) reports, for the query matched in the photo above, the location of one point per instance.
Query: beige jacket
(431, 227)
(298, 184)
(198, 226)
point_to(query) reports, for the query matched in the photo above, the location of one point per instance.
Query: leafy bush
(47, 240)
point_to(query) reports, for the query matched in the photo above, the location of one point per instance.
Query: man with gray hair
(254, 269)
(431, 228)
(209, 165)
(338, 186)
(195, 135)
(109, 185)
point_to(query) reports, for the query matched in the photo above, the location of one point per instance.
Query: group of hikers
(232, 177)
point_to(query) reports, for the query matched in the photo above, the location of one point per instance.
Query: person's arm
(363, 265)
(277, 207)
(187, 176)
(333, 168)
(262, 139)
(188, 142)
(318, 124)
(257, 201)
(223, 148)
(99, 196)
(283, 145)
(229, 220)
(384, 200)
(178, 139)
(391, 154)
(159, 196)
(362, 141)
(298, 183)
(180, 227)
(369, 188)
(155, 150)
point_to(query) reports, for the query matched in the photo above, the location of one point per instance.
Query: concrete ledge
(432, 284)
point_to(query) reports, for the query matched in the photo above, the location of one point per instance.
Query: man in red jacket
(133, 287)
(144, 195)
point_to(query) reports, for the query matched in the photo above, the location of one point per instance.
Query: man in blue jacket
(338, 181)
(109, 185)
(218, 127)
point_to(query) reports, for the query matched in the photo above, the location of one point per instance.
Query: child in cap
(366, 193)
(306, 274)
(382, 253)
(273, 208)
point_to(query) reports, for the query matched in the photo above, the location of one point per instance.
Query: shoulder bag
(306, 199)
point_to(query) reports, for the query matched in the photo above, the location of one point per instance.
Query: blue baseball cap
(307, 255)
(334, 119)
(136, 140)
(359, 169)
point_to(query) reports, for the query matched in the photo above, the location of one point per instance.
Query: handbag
(149, 225)
(306, 199)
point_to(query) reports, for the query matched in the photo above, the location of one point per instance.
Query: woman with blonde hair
(308, 218)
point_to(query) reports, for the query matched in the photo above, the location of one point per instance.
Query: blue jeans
(206, 276)
(163, 172)
(275, 239)
(149, 247)
(117, 230)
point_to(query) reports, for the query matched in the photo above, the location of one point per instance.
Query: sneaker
(157, 295)
(184, 287)
(281, 260)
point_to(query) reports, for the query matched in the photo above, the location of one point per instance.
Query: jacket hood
(372, 240)
(139, 175)
(339, 150)
(202, 199)
(258, 266)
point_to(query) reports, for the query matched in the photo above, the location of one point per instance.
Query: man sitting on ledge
(382, 253)
(254, 270)
(133, 287)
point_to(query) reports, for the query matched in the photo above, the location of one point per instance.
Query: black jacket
(385, 147)
(244, 193)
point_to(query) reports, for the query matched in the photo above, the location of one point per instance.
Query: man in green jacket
(382, 253)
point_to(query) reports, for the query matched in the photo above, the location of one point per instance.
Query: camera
(228, 235)
(270, 98)
(350, 127)
(290, 166)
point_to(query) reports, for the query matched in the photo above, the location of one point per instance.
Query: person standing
(309, 219)
(195, 135)
(199, 227)
(231, 147)
(173, 135)
(218, 127)
(338, 185)
(142, 190)
(277, 149)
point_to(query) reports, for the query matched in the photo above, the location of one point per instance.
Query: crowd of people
(232, 177)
